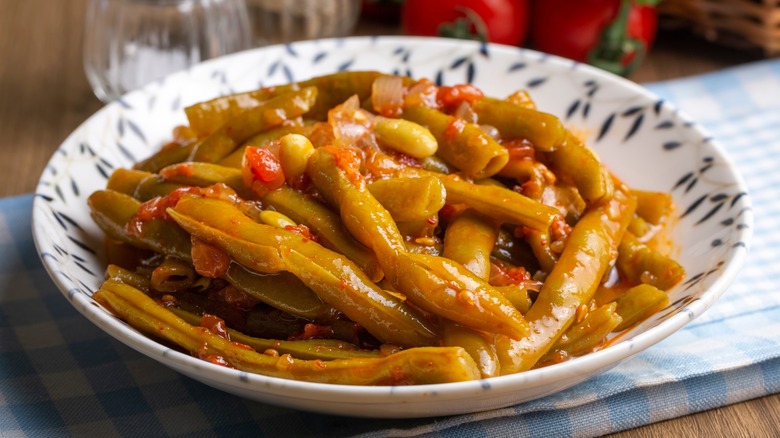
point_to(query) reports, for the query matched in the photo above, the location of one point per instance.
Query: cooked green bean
(122, 275)
(323, 349)
(571, 283)
(469, 239)
(205, 174)
(575, 161)
(653, 207)
(276, 219)
(294, 152)
(326, 224)
(237, 130)
(642, 264)
(425, 365)
(410, 199)
(478, 345)
(545, 131)
(462, 144)
(114, 213)
(435, 284)
(585, 336)
(498, 203)
(173, 275)
(406, 137)
(332, 276)
(638, 303)
(166, 157)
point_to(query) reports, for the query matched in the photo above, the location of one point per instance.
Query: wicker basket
(740, 23)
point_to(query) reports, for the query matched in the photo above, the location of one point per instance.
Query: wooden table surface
(44, 95)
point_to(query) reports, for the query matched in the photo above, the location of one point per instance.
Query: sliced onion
(350, 123)
(465, 112)
(422, 93)
(387, 95)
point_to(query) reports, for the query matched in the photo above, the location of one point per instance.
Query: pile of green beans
(312, 232)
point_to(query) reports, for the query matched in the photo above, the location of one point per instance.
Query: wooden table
(44, 96)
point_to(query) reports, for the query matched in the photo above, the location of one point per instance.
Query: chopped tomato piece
(450, 98)
(209, 261)
(263, 167)
(215, 325)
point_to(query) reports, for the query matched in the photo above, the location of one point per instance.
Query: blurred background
(45, 92)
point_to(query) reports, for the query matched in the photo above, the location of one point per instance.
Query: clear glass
(283, 21)
(129, 43)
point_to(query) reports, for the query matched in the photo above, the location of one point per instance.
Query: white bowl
(643, 139)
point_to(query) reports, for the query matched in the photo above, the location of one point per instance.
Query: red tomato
(262, 166)
(497, 21)
(610, 34)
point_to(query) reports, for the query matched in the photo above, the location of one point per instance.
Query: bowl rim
(607, 357)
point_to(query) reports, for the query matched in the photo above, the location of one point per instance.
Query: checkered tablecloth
(60, 375)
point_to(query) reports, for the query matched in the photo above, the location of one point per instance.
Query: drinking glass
(283, 21)
(129, 43)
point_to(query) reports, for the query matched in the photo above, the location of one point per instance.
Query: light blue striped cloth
(59, 375)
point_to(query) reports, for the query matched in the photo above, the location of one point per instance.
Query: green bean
(409, 199)
(294, 152)
(405, 137)
(575, 161)
(326, 224)
(126, 180)
(544, 130)
(654, 207)
(436, 164)
(585, 336)
(498, 203)
(447, 289)
(140, 184)
(640, 228)
(464, 145)
(165, 157)
(122, 275)
(478, 345)
(571, 283)
(323, 349)
(173, 275)
(204, 175)
(338, 87)
(276, 219)
(642, 264)
(434, 284)
(337, 280)
(207, 117)
(469, 240)
(237, 130)
(425, 365)
(638, 303)
(114, 213)
(517, 295)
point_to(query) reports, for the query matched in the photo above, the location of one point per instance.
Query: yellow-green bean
(464, 145)
(572, 282)
(425, 365)
(406, 137)
(638, 303)
(409, 199)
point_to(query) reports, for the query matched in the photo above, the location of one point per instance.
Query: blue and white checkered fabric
(60, 375)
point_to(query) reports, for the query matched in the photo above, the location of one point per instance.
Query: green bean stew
(368, 229)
